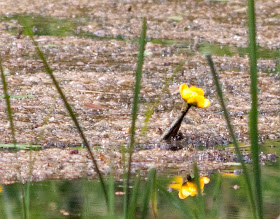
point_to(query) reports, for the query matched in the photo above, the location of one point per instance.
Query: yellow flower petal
(194, 96)
(204, 179)
(206, 103)
(188, 188)
(182, 195)
(178, 180)
(197, 90)
(183, 87)
(176, 183)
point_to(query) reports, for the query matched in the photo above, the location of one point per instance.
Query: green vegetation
(253, 122)
(19, 97)
(20, 146)
(137, 89)
(231, 131)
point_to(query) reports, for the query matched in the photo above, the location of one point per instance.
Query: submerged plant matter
(189, 187)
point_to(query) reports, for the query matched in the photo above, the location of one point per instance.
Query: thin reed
(148, 192)
(69, 109)
(254, 107)
(111, 196)
(24, 193)
(8, 104)
(200, 199)
(231, 131)
(134, 198)
(137, 88)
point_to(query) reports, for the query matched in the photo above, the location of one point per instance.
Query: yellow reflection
(1, 189)
(189, 187)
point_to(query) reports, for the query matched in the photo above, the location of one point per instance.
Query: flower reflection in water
(189, 187)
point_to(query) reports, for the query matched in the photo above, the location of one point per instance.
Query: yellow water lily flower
(194, 96)
(188, 188)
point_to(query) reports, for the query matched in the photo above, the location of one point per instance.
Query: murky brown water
(98, 75)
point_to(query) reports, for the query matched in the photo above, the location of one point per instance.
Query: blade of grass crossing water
(134, 198)
(254, 108)
(69, 109)
(140, 63)
(8, 104)
(148, 192)
(200, 199)
(25, 202)
(231, 131)
(125, 204)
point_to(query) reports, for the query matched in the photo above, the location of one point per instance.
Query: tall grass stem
(8, 104)
(231, 131)
(148, 192)
(134, 198)
(111, 196)
(254, 107)
(69, 109)
(199, 197)
(137, 88)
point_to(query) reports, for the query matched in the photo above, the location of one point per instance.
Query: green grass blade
(134, 197)
(25, 195)
(140, 63)
(216, 197)
(27, 199)
(69, 109)
(154, 197)
(200, 199)
(7, 98)
(178, 203)
(25, 205)
(111, 196)
(148, 192)
(254, 107)
(231, 131)
(125, 204)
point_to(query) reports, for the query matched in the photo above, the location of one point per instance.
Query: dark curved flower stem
(175, 126)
